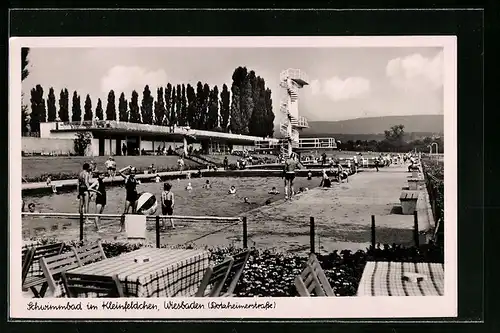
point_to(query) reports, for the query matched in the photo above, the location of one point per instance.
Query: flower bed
(271, 274)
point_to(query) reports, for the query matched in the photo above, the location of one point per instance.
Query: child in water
(232, 190)
(189, 187)
(157, 178)
(207, 184)
(31, 208)
(309, 175)
(274, 191)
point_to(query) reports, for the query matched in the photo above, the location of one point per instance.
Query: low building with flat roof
(110, 137)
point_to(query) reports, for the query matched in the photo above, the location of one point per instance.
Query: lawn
(59, 167)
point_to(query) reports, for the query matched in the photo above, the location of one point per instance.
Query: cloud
(341, 89)
(125, 79)
(416, 72)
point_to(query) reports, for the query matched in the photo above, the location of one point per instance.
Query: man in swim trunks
(83, 188)
(291, 164)
(167, 203)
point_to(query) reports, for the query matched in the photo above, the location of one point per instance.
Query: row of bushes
(272, 274)
(434, 176)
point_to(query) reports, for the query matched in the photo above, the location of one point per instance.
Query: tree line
(393, 142)
(246, 109)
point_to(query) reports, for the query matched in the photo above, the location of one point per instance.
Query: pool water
(197, 202)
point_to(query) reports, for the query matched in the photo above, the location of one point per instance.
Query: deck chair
(84, 285)
(90, 253)
(318, 270)
(308, 282)
(54, 266)
(214, 279)
(240, 261)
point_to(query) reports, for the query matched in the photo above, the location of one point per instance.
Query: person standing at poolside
(167, 203)
(83, 188)
(131, 192)
(180, 163)
(111, 166)
(289, 173)
(100, 199)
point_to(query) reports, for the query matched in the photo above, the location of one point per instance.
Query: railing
(72, 227)
(294, 74)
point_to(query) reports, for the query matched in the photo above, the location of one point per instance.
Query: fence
(74, 226)
(224, 228)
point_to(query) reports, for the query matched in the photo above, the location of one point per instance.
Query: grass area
(67, 167)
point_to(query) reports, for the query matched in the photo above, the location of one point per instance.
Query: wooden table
(168, 273)
(388, 279)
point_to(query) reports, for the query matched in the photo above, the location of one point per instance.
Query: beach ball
(147, 204)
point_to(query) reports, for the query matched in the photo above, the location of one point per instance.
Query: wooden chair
(52, 267)
(215, 277)
(90, 253)
(34, 274)
(27, 260)
(239, 263)
(309, 283)
(78, 285)
(318, 270)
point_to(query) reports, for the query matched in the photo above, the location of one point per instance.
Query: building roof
(173, 132)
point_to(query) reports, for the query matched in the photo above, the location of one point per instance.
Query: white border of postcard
(293, 307)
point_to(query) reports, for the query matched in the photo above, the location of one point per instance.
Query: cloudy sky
(345, 83)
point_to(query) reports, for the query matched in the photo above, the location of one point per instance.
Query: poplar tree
(51, 106)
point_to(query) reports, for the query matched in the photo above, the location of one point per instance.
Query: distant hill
(373, 128)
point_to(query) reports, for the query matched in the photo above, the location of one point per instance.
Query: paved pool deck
(342, 215)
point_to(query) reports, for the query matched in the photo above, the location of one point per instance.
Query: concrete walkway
(342, 215)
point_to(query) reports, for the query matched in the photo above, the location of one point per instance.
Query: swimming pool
(197, 202)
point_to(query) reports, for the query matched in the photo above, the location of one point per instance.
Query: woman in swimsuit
(131, 192)
(99, 188)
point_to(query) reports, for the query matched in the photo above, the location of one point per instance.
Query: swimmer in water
(31, 208)
(309, 175)
(245, 200)
(157, 178)
(274, 191)
(189, 187)
(268, 201)
(232, 190)
(207, 184)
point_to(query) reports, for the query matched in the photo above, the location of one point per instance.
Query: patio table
(388, 279)
(168, 273)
